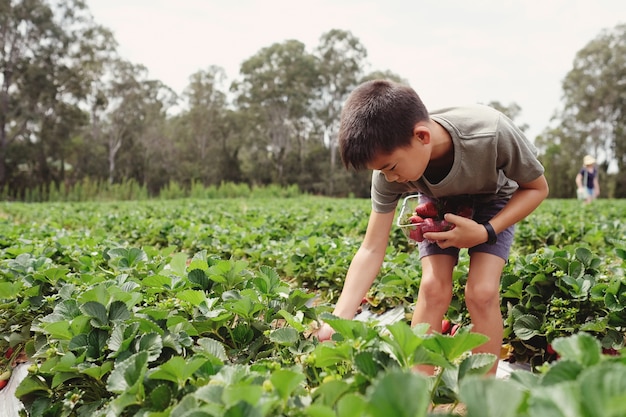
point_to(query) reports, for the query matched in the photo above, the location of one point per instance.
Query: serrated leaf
(285, 336)
(127, 376)
(484, 397)
(476, 364)
(160, 397)
(561, 371)
(556, 400)
(526, 326)
(211, 347)
(118, 311)
(400, 394)
(97, 312)
(581, 347)
(604, 389)
(286, 381)
(453, 347)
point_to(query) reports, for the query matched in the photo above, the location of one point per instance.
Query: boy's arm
(363, 269)
(468, 233)
(523, 202)
(365, 265)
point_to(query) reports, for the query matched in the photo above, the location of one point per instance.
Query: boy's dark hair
(378, 116)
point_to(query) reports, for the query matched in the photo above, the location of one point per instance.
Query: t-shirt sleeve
(384, 195)
(517, 156)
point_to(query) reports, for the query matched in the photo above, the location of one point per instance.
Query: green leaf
(199, 277)
(293, 321)
(561, 400)
(118, 311)
(327, 354)
(329, 392)
(152, 343)
(10, 290)
(351, 405)
(400, 394)
(561, 371)
(476, 364)
(193, 297)
(527, 326)
(286, 381)
(453, 347)
(160, 397)
(584, 255)
(211, 347)
(177, 369)
(403, 342)
(30, 384)
(285, 336)
(604, 389)
(97, 312)
(581, 347)
(242, 391)
(127, 376)
(489, 397)
(59, 330)
(365, 363)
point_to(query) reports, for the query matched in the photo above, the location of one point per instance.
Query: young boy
(472, 152)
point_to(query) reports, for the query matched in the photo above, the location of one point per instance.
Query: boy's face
(404, 164)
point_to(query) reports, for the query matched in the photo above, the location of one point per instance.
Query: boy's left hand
(466, 233)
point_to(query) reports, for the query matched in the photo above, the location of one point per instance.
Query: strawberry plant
(206, 307)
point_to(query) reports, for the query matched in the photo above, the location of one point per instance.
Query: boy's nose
(390, 177)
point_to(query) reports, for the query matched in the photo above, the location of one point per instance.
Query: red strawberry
(445, 225)
(3, 384)
(610, 351)
(429, 226)
(416, 234)
(550, 349)
(445, 326)
(8, 353)
(427, 209)
(415, 219)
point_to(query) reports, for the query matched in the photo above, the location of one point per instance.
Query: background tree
(44, 46)
(276, 90)
(593, 118)
(341, 64)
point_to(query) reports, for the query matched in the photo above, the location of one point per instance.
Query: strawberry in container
(420, 214)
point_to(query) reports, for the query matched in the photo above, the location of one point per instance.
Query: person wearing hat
(587, 180)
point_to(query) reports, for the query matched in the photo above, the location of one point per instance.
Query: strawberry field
(207, 308)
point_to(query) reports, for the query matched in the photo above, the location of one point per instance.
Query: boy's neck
(442, 153)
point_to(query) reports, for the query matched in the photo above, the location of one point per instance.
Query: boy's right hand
(325, 332)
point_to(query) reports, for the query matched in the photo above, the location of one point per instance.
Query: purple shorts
(482, 212)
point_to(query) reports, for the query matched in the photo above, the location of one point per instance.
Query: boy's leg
(482, 297)
(435, 294)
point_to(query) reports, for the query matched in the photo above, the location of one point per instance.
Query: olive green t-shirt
(491, 156)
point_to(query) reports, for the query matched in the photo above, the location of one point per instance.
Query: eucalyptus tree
(44, 48)
(205, 141)
(135, 105)
(341, 65)
(594, 96)
(276, 90)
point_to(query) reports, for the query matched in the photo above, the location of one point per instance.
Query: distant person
(587, 180)
(471, 152)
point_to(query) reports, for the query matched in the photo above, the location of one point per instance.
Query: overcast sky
(451, 52)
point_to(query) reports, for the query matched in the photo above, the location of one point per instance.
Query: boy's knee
(434, 290)
(482, 296)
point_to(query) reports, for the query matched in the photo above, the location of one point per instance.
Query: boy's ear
(421, 133)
